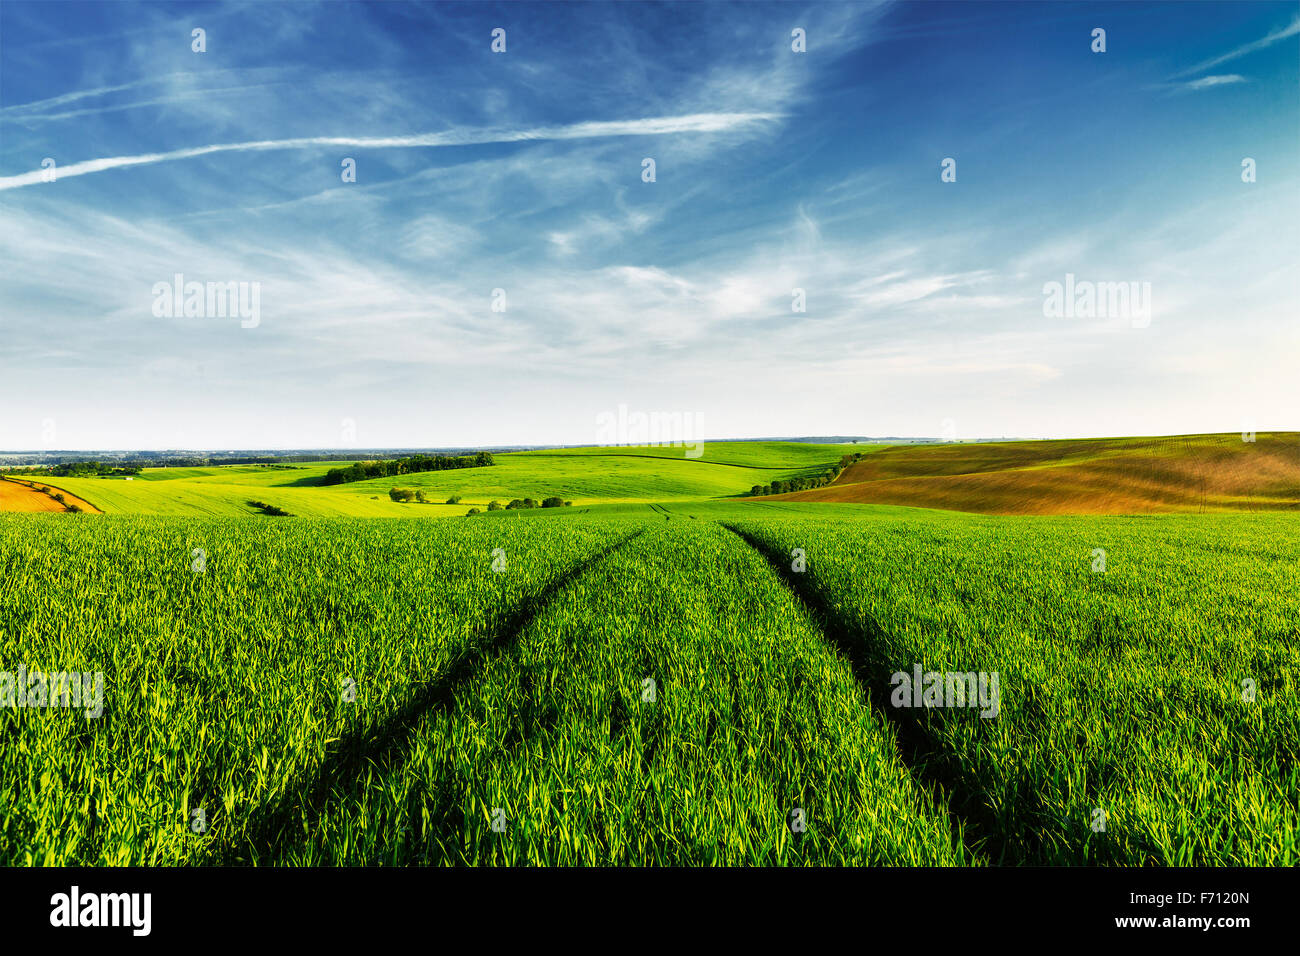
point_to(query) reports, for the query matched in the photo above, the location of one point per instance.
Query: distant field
(1093, 476)
(754, 454)
(220, 495)
(584, 476)
(1209, 473)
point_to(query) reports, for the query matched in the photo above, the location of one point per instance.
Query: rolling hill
(585, 476)
(1086, 476)
(1083, 476)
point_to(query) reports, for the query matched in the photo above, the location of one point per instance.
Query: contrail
(1260, 44)
(694, 123)
(19, 110)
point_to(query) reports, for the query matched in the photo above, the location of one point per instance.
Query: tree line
(363, 470)
(82, 469)
(804, 482)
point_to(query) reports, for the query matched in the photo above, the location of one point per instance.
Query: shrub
(494, 506)
(454, 500)
(552, 502)
(472, 511)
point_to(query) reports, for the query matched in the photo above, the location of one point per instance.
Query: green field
(664, 673)
(584, 476)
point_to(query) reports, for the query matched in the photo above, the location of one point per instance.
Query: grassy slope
(754, 454)
(1092, 476)
(213, 497)
(585, 476)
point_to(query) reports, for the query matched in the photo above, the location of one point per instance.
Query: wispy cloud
(777, 171)
(1206, 82)
(656, 126)
(1262, 43)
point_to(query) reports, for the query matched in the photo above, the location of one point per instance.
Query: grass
(341, 690)
(583, 476)
(1121, 690)
(645, 716)
(1092, 476)
(778, 455)
(215, 497)
(225, 686)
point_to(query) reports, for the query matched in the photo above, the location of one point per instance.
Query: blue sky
(522, 171)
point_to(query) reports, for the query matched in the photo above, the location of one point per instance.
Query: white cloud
(655, 126)
(1206, 82)
(1276, 36)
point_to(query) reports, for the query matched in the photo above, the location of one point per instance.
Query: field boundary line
(931, 768)
(275, 827)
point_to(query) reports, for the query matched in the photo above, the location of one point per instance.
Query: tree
(494, 505)
(552, 502)
(472, 511)
(454, 500)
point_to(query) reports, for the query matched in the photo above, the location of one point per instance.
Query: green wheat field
(671, 670)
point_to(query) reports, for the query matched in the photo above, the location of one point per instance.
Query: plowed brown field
(1090, 476)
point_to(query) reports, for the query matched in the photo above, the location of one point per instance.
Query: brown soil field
(1087, 476)
(21, 497)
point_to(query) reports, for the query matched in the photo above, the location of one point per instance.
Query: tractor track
(278, 826)
(937, 772)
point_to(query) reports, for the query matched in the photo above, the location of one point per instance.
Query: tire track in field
(384, 747)
(936, 770)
